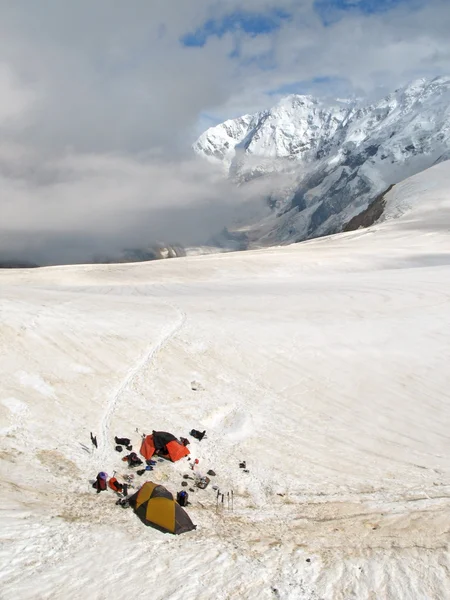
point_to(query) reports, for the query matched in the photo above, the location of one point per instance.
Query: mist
(82, 207)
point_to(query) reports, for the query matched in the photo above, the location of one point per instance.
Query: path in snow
(104, 440)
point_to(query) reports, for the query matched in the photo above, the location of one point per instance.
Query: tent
(155, 506)
(165, 444)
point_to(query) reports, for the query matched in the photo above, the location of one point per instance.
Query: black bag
(198, 435)
(122, 441)
(119, 448)
(182, 498)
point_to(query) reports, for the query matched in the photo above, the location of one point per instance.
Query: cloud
(100, 101)
(81, 206)
(15, 99)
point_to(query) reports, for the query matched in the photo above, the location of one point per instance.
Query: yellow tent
(155, 506)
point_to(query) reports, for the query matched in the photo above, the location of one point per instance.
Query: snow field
(323, 365)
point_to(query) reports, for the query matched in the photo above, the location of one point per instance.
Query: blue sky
(315, 86)
(251, 23)
(259, 23)
(331, 11)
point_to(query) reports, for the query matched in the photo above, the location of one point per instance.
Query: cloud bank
(100, 101)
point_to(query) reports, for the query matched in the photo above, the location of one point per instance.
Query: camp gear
(242, 465)
(194, 464)
(123, 502)
(202, 482)
(164, 444)
(115, 485)
(100, 482)
(119, 448)
(149, 468)
(133, 460)
(246, 471)
(129, 447)
(122, 441)
(125, 489)
(184, 483)
(211, 472)
(182, 498)
(140, 472)
(155, 506)
(94, 440)
(184, 441)
(199, 435)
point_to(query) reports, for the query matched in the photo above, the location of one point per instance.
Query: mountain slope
(336, 159)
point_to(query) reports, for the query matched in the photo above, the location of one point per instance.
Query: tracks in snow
(141, 364)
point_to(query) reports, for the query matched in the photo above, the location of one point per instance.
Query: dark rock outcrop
(370, 215)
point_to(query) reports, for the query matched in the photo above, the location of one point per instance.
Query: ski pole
(228, 500)
(232, 501)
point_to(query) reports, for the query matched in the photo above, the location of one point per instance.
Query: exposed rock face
(370, 215)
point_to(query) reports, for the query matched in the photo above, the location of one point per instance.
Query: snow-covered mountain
(334, 159)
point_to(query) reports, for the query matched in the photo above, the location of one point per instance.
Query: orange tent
(148, 447)
(176, 451)
(165, 444)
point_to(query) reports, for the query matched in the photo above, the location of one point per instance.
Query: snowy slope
(324, 366)
(336, 158)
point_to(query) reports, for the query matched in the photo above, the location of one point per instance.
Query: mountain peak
(337, 156)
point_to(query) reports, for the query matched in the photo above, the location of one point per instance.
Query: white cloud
(15, 99)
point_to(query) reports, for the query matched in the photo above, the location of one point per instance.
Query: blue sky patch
(331, 11)
(317, 85)
(251, 23)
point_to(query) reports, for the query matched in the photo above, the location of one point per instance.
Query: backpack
(198, 435)
(182, 498)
